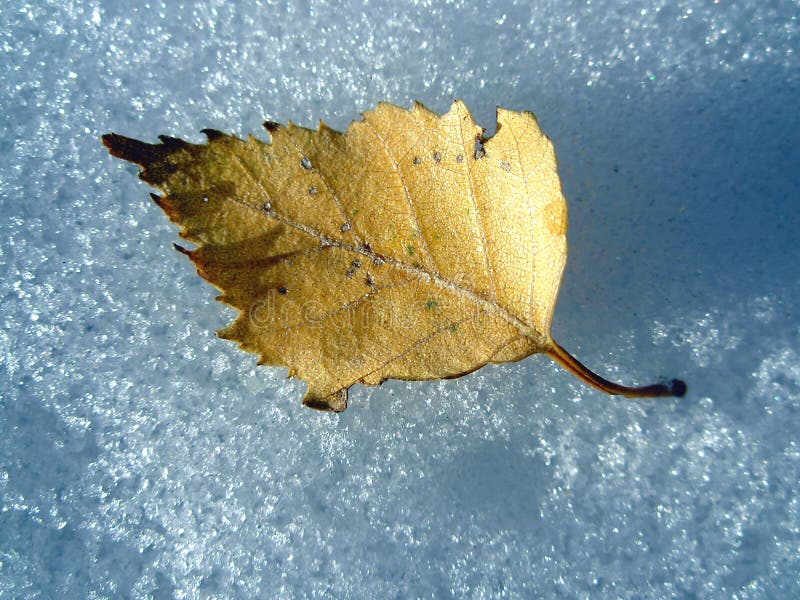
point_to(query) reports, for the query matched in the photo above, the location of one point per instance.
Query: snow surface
(142, 457)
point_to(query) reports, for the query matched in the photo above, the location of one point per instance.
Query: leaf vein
(481, 225)
(407, 194)
(409, 349)
(324, 179)
(345, 306)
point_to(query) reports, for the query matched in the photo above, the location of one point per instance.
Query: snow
(142, 457)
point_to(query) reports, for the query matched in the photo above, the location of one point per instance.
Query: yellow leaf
(409, 247)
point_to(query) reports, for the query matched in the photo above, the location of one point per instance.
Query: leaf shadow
(496, 485)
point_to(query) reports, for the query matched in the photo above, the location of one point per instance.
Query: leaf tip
(142, 153)
(459, 106)
(130, 149)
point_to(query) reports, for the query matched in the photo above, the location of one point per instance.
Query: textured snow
(142, 457)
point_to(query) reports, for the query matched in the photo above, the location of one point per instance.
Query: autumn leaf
(409, 247)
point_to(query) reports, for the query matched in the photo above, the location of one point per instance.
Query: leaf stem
(676, 387)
